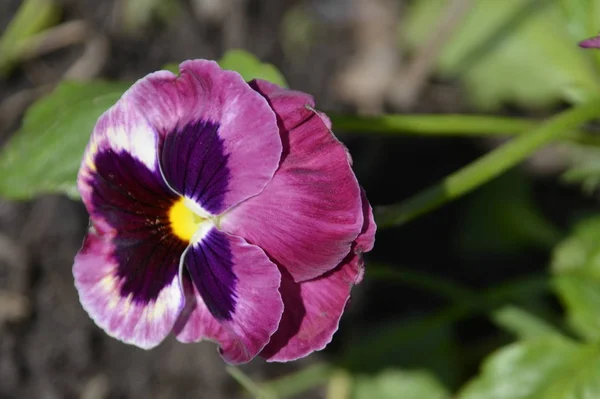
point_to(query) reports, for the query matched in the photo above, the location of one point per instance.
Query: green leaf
(523, 324)
(45, 154)
(502, 217)
(576, 268)
(583, 17)
(584, 166)
(171, 67)
(394, 384)
(32, 17)
(137, 14)
(384, 346)
(548, 368)
(250, 67)
(513, 51)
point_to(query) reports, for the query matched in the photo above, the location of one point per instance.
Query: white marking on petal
(143, 145)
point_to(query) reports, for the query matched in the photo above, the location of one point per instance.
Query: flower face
(220, 210)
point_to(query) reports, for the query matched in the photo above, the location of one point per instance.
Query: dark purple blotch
(210, 266)
(194, 163)
(135, 201)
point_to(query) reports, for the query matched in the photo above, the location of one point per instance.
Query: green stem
(249, 385)
(432, 124)
(438, 286)
(487, 167)
(451, 125)
(298, 382)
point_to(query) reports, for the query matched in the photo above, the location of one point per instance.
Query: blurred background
(356, 57)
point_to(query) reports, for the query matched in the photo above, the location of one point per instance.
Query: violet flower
(220, 210)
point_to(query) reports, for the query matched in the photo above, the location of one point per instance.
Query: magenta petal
(126, 272)
(235, 125)
(366, 239)
(236, 290)
(313, 308)
(310, 213)
(312, 312)
(100, 288)
(593, 42)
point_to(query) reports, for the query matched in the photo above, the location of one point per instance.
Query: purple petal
(309, 215)
(226, 144)
(126, 272)
(313, 308)
(593, 42)
(195, 164)
(236, 290)
(104, 295)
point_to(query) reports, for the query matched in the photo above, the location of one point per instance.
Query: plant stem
(249, 385)
(438, 286)
(451, 125)
(432, 124)
(300, 381)
(487, 167)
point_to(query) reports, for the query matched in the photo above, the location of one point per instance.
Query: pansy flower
(220, 210)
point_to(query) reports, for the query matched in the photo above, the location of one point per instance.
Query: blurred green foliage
(250, 67)
(547, 368)
(137, 14)
(32, 18)
(576, 269)
(510, 51)
(502, 217)
(45, 154)
(584, 167)
(394, 384)
(522, 323)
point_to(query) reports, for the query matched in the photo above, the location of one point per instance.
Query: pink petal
(313, 308)
(126, 272)
(249, 146)
(310, 213)
(236, 290)
(141, 323)
(593, 42)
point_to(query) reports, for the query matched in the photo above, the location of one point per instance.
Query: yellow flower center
(184, 221)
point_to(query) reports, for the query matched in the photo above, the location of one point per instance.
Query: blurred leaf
(394, 384)
(295, 383)
(501, 217)
(583, 17)
(45, 154)
(576, 268)
(32, 17)
(509, 51)
(251, 67)
(248, 384)
(523, 324)
(297, 31)
(548, 368)
(171, 67)
(137, 14)
(384, 347)
(584, 166)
